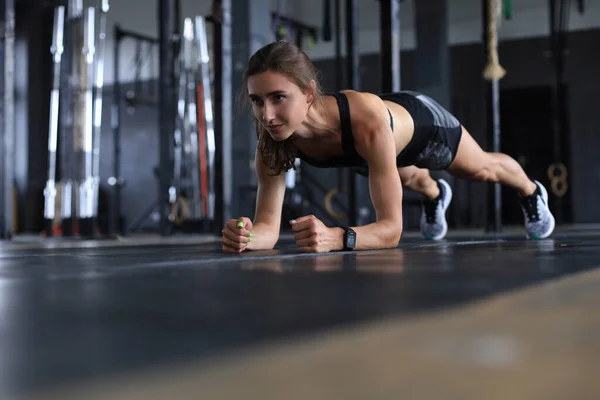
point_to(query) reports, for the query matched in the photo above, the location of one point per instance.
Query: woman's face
(278, 103)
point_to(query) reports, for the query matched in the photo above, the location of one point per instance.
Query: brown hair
(286, 58)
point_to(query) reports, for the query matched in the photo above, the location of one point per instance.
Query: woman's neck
(318, 121)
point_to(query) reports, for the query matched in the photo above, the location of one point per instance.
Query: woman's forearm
(378, 235)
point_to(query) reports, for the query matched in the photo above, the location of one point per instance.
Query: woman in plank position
(396, 138)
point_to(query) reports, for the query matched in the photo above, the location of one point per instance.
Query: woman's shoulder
(363, 101)
(365, 107)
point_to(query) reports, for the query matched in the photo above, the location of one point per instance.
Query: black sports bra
(350, 158)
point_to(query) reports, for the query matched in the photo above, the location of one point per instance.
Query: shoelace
(430, 206)
(530, 206)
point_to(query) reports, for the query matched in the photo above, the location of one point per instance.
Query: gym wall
(530, 18)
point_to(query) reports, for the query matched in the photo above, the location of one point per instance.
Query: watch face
(351, 242)
(351, 239)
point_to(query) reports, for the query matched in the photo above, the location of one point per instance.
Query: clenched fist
(237, 234)
(312, 236)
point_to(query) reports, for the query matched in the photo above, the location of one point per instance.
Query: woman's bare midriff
(404, 126)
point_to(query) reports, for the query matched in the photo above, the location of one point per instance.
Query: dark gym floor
(95, 317)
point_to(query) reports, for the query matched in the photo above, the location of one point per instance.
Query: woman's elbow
(395, 235)
(396, 240)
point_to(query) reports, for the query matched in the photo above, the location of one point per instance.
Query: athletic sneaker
(539, 221)
(433, 215)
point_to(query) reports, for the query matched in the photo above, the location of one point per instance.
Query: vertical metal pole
(98, 92)
(8, 122)
(497, 144)
(353, 71)
(339, 76)
(57, 52)
(178, 142)
(494, 195)
(223, 114)
(176, 29)
(352, 44)
(396, 46)
(557, 37)
(554, 57)
(85, 203)
(114, 182)
(227, 106)
(192, 118)
(72, 134)
(389, 15)
(204, 61)
(218, 79)
(165, 112)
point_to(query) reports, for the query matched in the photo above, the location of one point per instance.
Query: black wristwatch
(349, 239)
